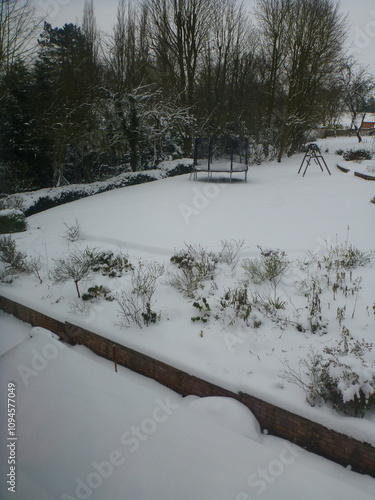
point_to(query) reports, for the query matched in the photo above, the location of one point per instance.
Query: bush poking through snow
(136, 305)
(316, 321)
(234, 304)
(341, 376)
(76, 267)
(12, 221)
(272, 308)
(12, 259)
(345, 257)
(271, 267)
(112, 264)
(357, 155)
(195, 265)
(144, 279)
(332, 271)
(229, 253)
(73, 232)
(95, 293)
(203, 308)
(15, 262)
(34, 265)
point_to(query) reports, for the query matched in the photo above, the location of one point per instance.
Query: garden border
(366, 177)
(310, 435)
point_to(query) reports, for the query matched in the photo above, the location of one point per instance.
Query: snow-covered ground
(276, 209)
(86, 432)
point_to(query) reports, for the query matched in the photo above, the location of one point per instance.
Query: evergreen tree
(66, 89)
(21, 164)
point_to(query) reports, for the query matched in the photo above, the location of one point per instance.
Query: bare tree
(76, 267)
(179, 30)
(227, 71)
(91, 31)
(357, 86)
(235, 50)
(129, 47)
(274, 18)
(18, 28)
(304, 41)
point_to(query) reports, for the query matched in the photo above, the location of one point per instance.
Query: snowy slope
(85, 432)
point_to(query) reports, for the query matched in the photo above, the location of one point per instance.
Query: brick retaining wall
(279, 422)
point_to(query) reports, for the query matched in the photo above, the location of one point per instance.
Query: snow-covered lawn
(276, 209)
(86, 432)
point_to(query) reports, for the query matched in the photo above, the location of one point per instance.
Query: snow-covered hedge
(12, 221)
(37, 201)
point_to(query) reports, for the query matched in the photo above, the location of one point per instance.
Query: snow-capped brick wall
(314, 437)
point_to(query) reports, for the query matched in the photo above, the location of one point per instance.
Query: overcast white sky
(361, 18)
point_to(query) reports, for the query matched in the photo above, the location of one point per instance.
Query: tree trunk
(283, 143)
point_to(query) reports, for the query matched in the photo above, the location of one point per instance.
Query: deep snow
(84, 431)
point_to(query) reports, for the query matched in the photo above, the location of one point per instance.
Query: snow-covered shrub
(95, 293)
(14, 201)
(203, 308)
(135, 309)
(264, 146)
(144, 278)
(357, 155)
(12, 221)
(180, 169)
(331, 270)
(234, 305)
(76, 267)
(317, 323)
(272, 308)
(73, 231)
(112, 264)
(345, 257)
(372, 200)
(194, 266)
(271, 267)
(34, 265)
(136, 305)
(340, 376)
(229, 253)
(13, 261)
